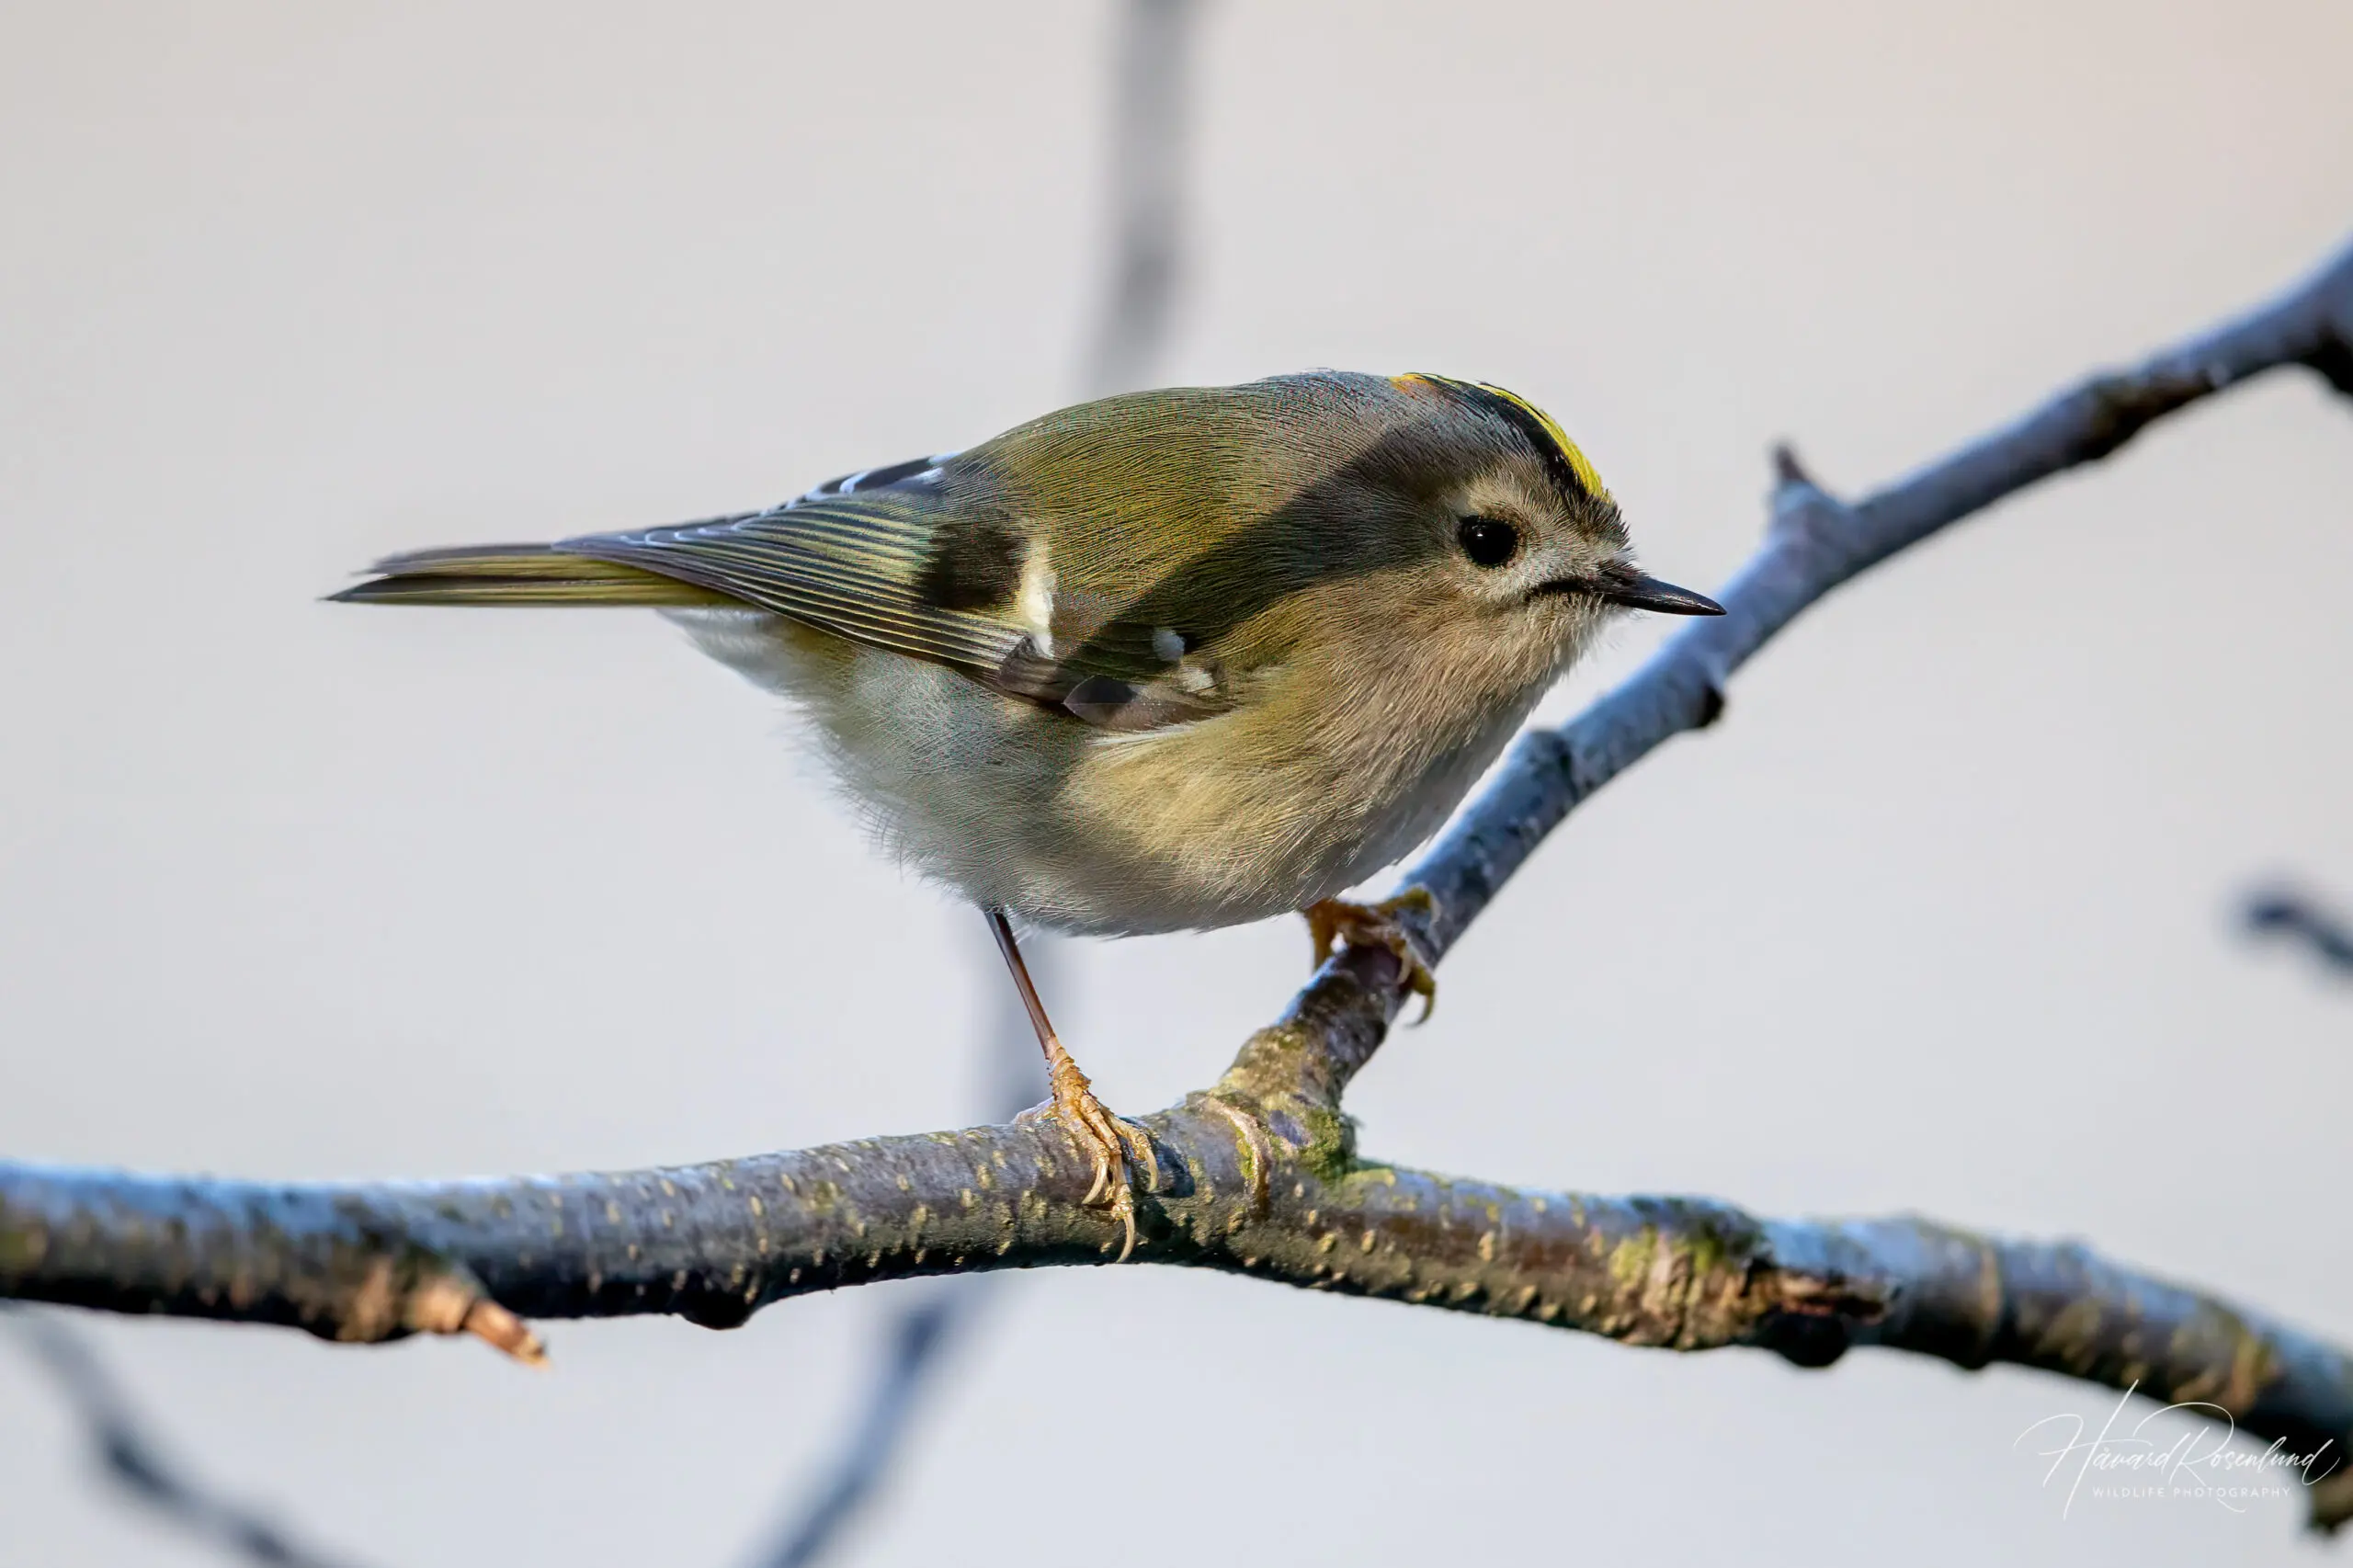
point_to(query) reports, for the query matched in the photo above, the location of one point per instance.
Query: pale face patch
(1551, 545)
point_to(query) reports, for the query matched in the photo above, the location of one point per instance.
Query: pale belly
(1077, 830)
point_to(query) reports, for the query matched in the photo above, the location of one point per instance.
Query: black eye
(1486, 541)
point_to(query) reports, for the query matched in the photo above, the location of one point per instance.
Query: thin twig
(1261, 1174)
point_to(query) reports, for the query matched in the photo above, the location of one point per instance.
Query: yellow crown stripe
(1579, 465)
(1565, 449)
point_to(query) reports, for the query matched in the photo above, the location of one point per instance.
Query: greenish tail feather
(517, 574)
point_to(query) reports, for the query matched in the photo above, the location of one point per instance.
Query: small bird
(1171, 660)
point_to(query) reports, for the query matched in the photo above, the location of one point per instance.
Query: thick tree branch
(1260, 1175)
(1270, 1188)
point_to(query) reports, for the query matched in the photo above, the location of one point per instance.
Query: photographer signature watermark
(2182, 1452)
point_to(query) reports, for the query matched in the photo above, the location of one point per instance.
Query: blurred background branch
(2290, 915)
(910, 1361)
(141, 1468)
(1151, 83)
(1152, 52)
(919, 1336)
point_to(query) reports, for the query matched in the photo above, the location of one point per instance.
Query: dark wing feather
(864, 563)
(852, 567)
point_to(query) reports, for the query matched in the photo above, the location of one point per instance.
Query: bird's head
(1526, 525)
(1495, 549)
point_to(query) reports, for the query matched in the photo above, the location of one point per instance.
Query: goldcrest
(1167, 661)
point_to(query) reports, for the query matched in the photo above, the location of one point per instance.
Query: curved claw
(1107, 1140)
(1106, 1137)
(1333, 920)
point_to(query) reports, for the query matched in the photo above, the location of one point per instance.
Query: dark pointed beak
(1648, 593)
(1619, 586)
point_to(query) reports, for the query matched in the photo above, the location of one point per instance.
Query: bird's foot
(1108, 1138)
(1377, 925)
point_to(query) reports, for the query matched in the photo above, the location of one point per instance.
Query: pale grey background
(1936, 920)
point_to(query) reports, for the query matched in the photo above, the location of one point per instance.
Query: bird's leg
(1377, 925)
(1107, 1137)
